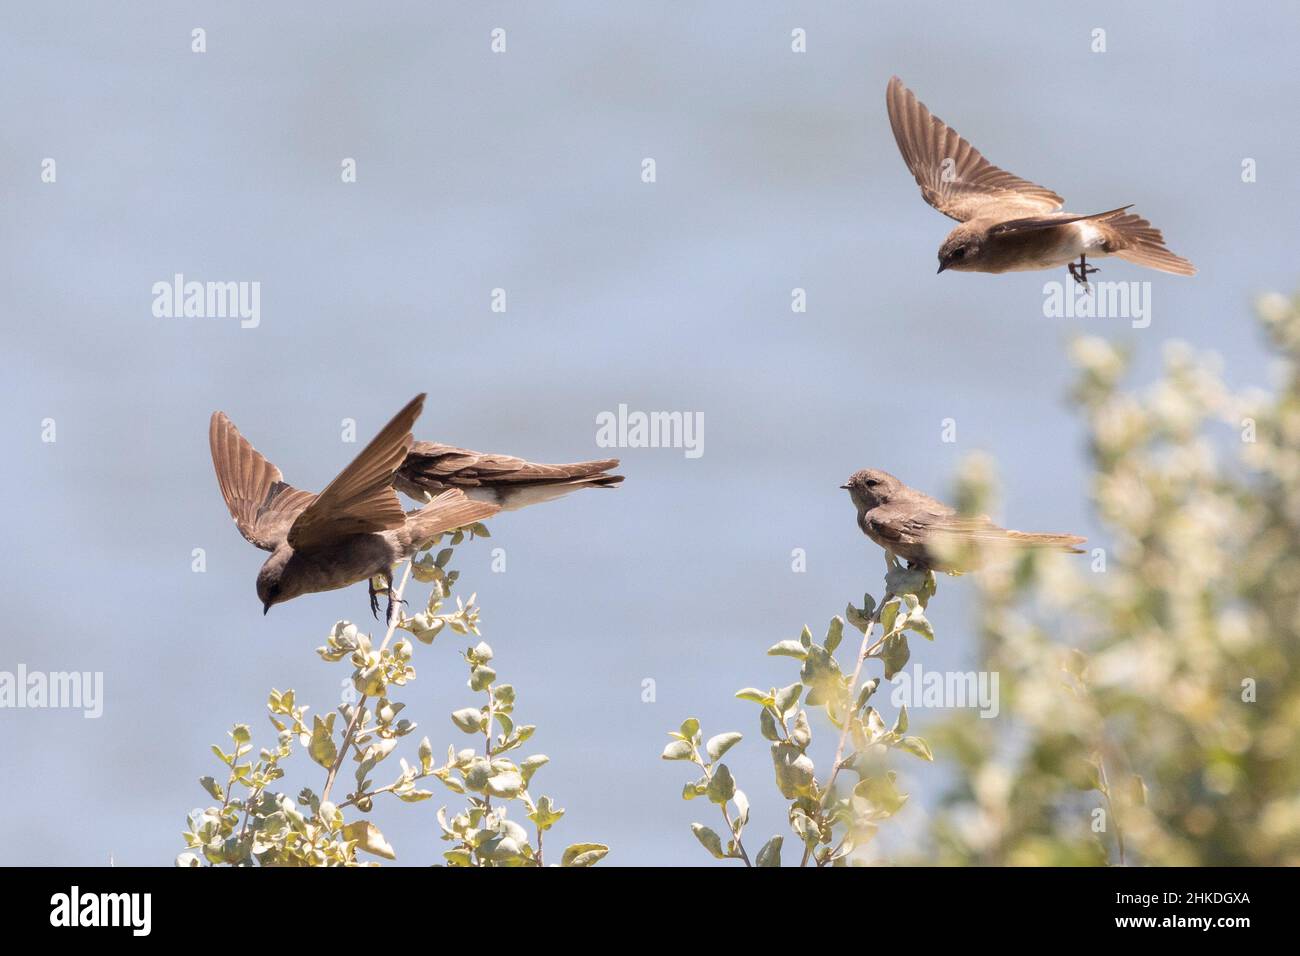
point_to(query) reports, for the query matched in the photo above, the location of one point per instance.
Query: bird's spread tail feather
(1132, 238)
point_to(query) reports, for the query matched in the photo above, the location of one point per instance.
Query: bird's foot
(375, 592)
(1080, 271)
(391, 615)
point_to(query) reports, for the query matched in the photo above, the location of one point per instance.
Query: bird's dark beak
(266, 607)
(845, 486)
(942, 266)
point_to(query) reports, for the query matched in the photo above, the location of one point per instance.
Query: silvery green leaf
(881, 793)
(690, 728)
(895, 654)
(787, 697)
(805, 828)
(711, 841)
(544, 814)
(413, 796)
(722, 786)
(794, 770)
(321, 748)
(864, 695)
(532, 764)
(917, 622)
(900, 725)
(909, 582)
(369, 839)
(770, 854)
(584, 854)
(742, 810)
(917, 746)
(834, 634)
(720, 744)
(499, 849)
(506, 785)
(468, 719)
(801, 732)
(212, 787)
(788, 649)
(677, 750)
(889, 614)
(477, 774)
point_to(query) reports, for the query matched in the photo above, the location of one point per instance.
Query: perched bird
(512, 483)
(1009, 224)
(354, 530)
(912, 525)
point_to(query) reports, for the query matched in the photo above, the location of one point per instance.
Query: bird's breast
(345, 561)
(1038, 248)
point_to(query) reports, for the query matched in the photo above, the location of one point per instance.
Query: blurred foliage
(254, 821)
(1150, 694)
(828, 821)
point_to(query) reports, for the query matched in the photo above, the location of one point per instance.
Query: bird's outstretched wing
(1010, 227)
(261, 503)
(954, 178)
(432, 467)
(361, 498)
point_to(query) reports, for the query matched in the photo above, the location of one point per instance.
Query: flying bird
(354, 530)
(1009, 224)
(912, 525)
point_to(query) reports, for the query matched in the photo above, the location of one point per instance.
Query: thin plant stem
(350, 734)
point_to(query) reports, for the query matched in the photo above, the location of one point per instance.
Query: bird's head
(274, 585)
(871, 487)
(960, 251)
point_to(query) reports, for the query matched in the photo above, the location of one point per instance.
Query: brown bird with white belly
(352, 531)
(1009, 224)
(356, 529)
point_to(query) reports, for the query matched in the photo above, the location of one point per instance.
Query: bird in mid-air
(354, 530)
(912, 525)
(1009, 224)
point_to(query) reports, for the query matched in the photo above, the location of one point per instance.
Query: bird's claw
(1081, 270)
(390, 615)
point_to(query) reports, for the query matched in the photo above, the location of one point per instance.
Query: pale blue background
(521, 170)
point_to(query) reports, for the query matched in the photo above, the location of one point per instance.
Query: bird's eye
(958, 253)
(872, 482)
